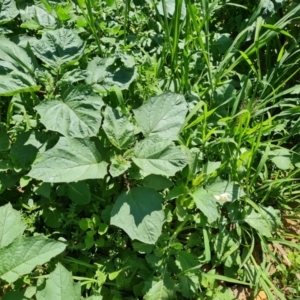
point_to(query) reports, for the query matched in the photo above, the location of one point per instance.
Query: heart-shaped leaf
(139, 213)
(70, 160)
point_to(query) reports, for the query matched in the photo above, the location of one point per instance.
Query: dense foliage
(149, 149)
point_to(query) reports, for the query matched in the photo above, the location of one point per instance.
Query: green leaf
(139, 213)
(23, 254)
(224, 191)
(162, 115)
(15, 296)
(60, 286)
(13, 57)
(142, 248)
(26, 147)
(170, 8)
(155, 155)
(14, 82)
(161, 290)
(225, 247)
(5, 165)
(281, 158)
(186, 261)
(206, 203)
(76, 114)
(189, 285)
(4, 141)
(59, 47)
(118, 70)
(118, 166)
(31, 24)
(118, 128)
(79, 192)
(70, 77)
(8, 11)
(64, 11)
(11, 225)
(70, 160)
(43, 189)
(35, 17)
(157, 182)
(265, 222)
(211, 166)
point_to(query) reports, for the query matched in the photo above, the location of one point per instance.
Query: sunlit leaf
(265, 221)
(75, 114)
(8, 11)
(118, 70)
(60, 286)
(162, 115)
(70, 160)
(59, 47)
(118, 128)
(206, 203)
(139, 213)
(155, 155)
(23, 254)
(11, 225)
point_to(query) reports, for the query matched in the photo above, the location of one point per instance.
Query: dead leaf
(241, 293)
(261, 296)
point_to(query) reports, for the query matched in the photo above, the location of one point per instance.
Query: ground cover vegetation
(149, 149)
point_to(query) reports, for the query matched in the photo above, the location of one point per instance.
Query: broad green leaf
(8, 11)
(31, 24)
(118, 166)
(206, 203)
(155, 155)
(76, 114)
(189, 284)
(225, 246)
(35, 17)
(264, 222)
(13, 82)
(162, 115)
(70, 77)
(15, 296)
(64, 11)
(157, 182)
(170, 6)
(60, 286)
(281, 158)
(211, 166)
(4, 141)
(224, 191)
(223, 93)
(5, 165)
(11, 225)
(23, 254)
(118, 128)
(13, 57)
(139, 213)
(70, 160)
(118, 70)
(142, 248)
(43, 189)
(7, 180)
(79, 192)
(26, 148)
(53, 217)
(186, 261)
(161, 290)
(59, 47)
